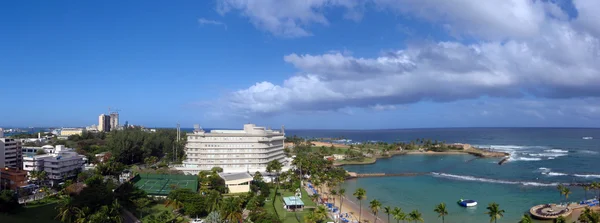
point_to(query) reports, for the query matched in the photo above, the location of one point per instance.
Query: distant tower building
(104, 123)
(114, 121)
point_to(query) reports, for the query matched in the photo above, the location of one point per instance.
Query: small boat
(588, 137)
(467, 203)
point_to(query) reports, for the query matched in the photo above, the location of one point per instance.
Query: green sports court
(163, 184)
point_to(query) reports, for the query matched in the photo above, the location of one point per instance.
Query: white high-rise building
(247, 150)
(60, 165)
(11, 154)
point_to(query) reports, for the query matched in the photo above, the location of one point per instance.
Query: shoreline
(350, 207)
(472, 151)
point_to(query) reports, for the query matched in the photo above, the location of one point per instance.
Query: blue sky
(358, 64)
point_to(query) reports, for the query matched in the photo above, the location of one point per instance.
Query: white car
(197, 220)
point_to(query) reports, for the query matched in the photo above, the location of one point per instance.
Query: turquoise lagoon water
(540, 159)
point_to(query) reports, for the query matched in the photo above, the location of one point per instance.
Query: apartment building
(246, 150)
(114, 121)
(64, 163)
(11, 154)
(104, 123)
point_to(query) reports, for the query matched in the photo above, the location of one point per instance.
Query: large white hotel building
(247, 150)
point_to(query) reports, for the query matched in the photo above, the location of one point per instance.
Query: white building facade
(247, 150)
(11, 154)
(60, 165)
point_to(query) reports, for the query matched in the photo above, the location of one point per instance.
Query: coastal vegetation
(369, 152)
(494, 212)
(441, 210)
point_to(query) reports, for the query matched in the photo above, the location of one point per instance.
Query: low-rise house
(11, 178)
(293, 203)
(339, 156)
(237, 182)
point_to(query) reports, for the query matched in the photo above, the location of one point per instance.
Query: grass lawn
(335, 151)
(287, 216)
(39, 214)
(154, 210)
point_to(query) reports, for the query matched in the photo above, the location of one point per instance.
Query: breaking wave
(556, 151)
(587, 175)
(548, 154)
(555, 174)
(479, 179)
(524, 159)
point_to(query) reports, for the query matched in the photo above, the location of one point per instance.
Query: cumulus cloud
(528, 48)
(491, 19)
(289, 18)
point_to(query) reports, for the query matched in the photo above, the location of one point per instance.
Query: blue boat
(467, 203)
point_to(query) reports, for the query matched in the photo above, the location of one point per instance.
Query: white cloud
(288, 18)
(491, 19)
(203, 21)
(525, 52)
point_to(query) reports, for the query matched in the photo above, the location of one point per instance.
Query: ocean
(541, 158)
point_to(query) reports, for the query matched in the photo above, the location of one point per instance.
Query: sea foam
(479, 179)
(587, 175)
(556, 151)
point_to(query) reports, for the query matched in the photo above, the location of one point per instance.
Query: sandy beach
(352, 208)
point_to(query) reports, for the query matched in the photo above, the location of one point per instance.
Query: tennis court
(163, 184)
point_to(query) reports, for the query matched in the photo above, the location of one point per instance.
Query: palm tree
(586, 188)
(67, 212)
(341, 192)
(494, 212)
(375, 205)
(314, 197)
(441, 210)
(309, 217)
(560, 189)
(589, 216)
(333, 193)
(415, 216)
(360, 195)
(594, 186)
(214, 200)
(274, 166)
(526, 219)
(320, 214)
(398, 214)
(566, 192)
(387, 210)
(560, 219)
(232, 210)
